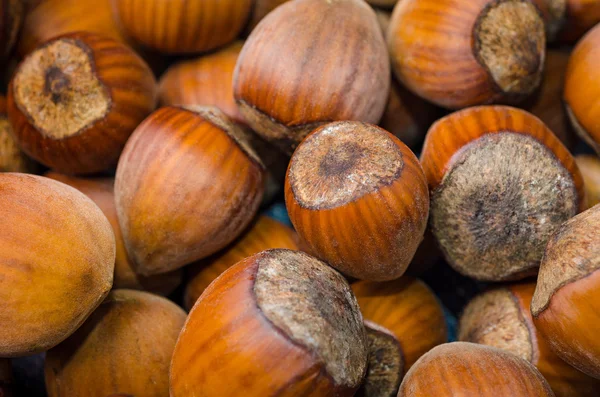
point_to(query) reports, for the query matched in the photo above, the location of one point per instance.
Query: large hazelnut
(187, 185)
(459, 53)
(280, 323)
(565, 306)
(310, 62)
(125, 346)
(358, 198)
(501, 183)
(57, 255)
(74, 101)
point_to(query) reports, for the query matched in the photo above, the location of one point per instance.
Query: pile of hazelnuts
(144, 146)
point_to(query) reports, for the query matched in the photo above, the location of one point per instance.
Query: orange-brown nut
(6, 378)
(408, 309)
(47, 19)
(265, 234)
(582, 15)
(187, 185)
(101, 191)
(590, 169)
(554, 13)
(124, 347)
(184, 26)
(243, 333)
(310, 62)
(260, 9)
(358, 198)
(501, 318)
(57, 255)
(582, 88)
(501, 183)
(565, 305)
(75, 100)
(459, 53)
(468, 369)
(11, 17)
(12, 158)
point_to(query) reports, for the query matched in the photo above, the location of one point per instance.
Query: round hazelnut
(582, 88)
(358, 198)
(264, 234)
(57, 255)
(12, 158)
(183, 26)
(310, 62)
(458, 53)
(565, 307)
(582, 15)
(266, 346)
(75, 100)
(501, 318)
(501, 183)
(469, 369)
(187, 185)
(101, 191)
(125, 346)
(590, 169)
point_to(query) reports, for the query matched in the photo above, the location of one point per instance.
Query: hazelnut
(462, 53)
(101, 191)
(501, 318)
(74, 101)
(125, 346)
(57, 255)
(582, 15)
(409, 310)
(501, 183)
(263, 344)
(310, 62)
(264, 234)
(358, 198)
(554, 13)
(12, 159)
(12, 12)
(187, 185)
(590, 169)
(469, 369)
(183, 26)
(564, 306)
(582, 88)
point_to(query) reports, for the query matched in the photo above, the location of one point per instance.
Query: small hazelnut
(57, 255)
(469, 369)
(565, 306)
(458, 53)
(187, 185)
(358, 198)
(590, 169)
(125, 346)
(243, 333)
(501, 183)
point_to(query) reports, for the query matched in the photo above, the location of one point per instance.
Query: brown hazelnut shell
(12, 158)
(57, 255)
(590, 169)
(582, 15)
(101, 191)
(469, 369)
(565, 303)
(501, 318)
(243, 334)
(311, 62)
(458, 53)
(91, 101)
(358, 198)
(490, 170)
(124, 347)
(187, 185)
(264, 234)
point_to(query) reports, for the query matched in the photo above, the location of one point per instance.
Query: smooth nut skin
(590, 169)
(582, 88)
(47, 19)
(186, 26)
(57, 255)
(467, 369)
(185, 188)
(124, 347)
(264, 234)
(565, 303)
(582, 15)
(310, 62)
(408, 309)
(101, 191)
(128, 96)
